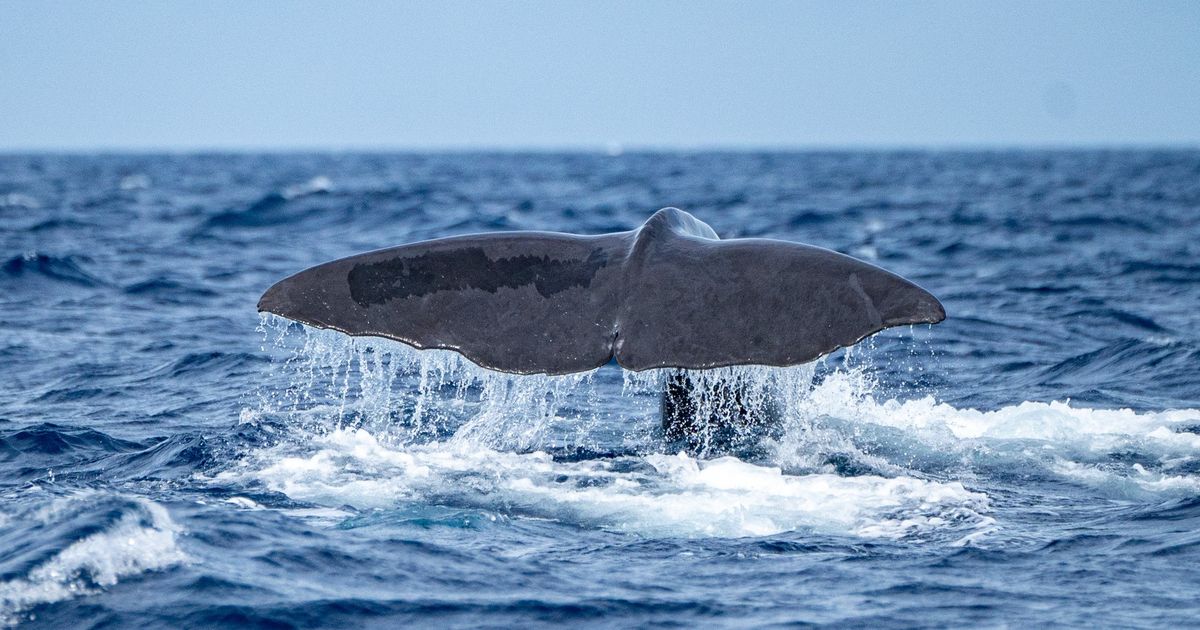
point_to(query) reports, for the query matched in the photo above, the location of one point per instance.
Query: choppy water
(169, 459)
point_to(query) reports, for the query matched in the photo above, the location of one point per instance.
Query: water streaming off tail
(376, 425)
(412, 396)
(835, 423)
(409, 396)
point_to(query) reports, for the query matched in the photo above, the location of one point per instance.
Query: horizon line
(612, 149)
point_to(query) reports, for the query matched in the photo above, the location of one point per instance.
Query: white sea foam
(318, 184)
(18, 200)
(143, 539)
(653, 495)
(137, 181)
(245, 503)
(391, 425)
(1121, 452)
(841, 395)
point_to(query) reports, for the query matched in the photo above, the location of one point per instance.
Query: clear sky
(185, 75)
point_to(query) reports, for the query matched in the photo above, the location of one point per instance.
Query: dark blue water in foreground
(167, 459)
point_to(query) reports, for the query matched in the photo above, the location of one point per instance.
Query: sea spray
(382, 425)
(412, 396)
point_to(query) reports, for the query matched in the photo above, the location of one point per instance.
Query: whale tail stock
(667, 294)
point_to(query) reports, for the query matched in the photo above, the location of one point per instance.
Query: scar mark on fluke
(470, 268)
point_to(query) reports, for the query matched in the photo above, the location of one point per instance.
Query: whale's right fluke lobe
(699, 302)
(669, 294)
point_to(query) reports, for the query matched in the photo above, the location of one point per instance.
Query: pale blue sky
(185, 75)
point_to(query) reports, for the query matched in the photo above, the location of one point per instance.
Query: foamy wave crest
(1126, 452)
(142, 538)
(652, 495)
(318, 184)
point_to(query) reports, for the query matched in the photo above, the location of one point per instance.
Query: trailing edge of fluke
(667, 294)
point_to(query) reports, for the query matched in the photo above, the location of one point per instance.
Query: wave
(49, 453)
(263, 212)
(19, 200)
(272, 208)
(1161, 359)
(106, 538)
(1163, 271)
(60, 224)
(1122, 453)
(1101, 221)
(51, 439)
(64, 269)
(33, 452)
(169, 290)
(218, 363)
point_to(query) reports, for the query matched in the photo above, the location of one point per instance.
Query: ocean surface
(169, 458)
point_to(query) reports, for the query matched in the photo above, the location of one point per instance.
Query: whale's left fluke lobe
(668, 294)
(520, 302)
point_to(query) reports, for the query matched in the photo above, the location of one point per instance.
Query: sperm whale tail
(667, 294)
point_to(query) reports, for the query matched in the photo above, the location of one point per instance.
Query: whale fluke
(667, 294)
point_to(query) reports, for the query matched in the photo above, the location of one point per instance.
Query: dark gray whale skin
(667, 294)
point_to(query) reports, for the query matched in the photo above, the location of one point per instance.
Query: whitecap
(136, 181)
(1108, 449)
(318, 184)
(19, 200)
(142, 539)
(652, 495)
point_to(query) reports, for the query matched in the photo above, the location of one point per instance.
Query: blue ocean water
(170, 459)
